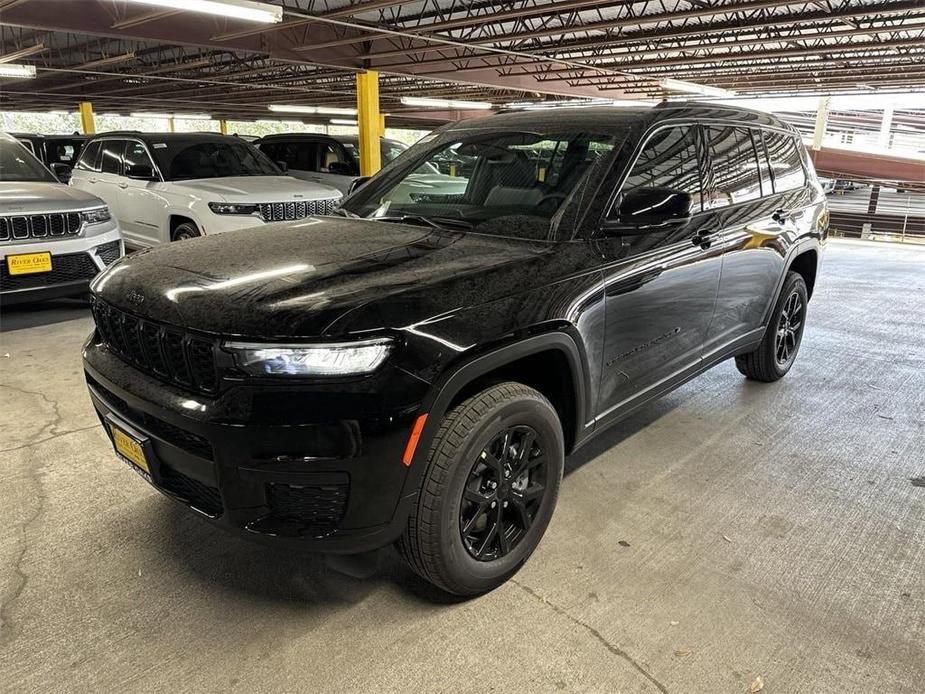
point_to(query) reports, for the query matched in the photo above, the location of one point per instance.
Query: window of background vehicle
(17, 164)
(88, 157)
(111, 160)
(735, 167)
(669, 160)
(333, 154)
(213, 159)
(786, 164)
(136, 154)
(767, 187)
(61, 152)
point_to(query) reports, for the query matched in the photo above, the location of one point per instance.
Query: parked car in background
(172, 186)
(418, 373)
(53, 239)
(57, 152)
(335, 161)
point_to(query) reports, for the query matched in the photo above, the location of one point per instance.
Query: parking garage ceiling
(125, 56)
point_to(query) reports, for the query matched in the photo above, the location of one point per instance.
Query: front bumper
(318, 468)
(75, 262)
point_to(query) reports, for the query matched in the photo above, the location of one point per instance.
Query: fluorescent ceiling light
(446, 103)
(14, 70)
(232, 9)
(342, 121)
(152, 115)
(571, 103)
(313, 110)
(110, 115)
(693, 88)
(192, 116)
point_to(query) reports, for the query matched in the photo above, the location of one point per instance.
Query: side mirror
(61, 171)
(140, 172)
(341, 168)
(357, 183)
(283, 165)
(643, 209)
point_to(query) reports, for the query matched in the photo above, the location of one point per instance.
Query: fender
(441, 394)
(798, 249)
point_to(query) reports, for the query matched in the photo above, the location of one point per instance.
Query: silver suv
(53, 239)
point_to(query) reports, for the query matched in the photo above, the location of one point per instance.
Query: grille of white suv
(39, 226)
(287, 211)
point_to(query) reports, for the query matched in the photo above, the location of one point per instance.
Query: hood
(318, 277)
(23, 197)
(258, 189)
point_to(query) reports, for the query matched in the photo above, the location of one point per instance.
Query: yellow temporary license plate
(130, 449)
(28, 263)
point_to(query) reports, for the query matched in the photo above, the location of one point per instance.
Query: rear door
(660, 285)
(748, 196)
(84, 175)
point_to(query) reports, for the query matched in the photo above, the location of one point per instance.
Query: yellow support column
(369, 121)
(223, 126)
(87, 124)
(381, 125)
(170, 125)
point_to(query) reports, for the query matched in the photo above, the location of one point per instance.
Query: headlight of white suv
(232, 207)
(333, 359)
(97, 216)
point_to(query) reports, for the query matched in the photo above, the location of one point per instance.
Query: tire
(464, 458)
(787, 323)
(185, 230)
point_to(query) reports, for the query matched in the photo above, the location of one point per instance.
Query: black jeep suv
(415, 368)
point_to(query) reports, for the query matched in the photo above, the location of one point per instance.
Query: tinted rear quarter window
(786, 164)
(89, 157)
(735, 167)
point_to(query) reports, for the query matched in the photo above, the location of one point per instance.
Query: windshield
(16, 164)
(213, 159)
(502, 183)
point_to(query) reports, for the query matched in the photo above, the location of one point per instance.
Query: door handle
(702, 240)
(781, 216)
(92, 180)
(123, 186)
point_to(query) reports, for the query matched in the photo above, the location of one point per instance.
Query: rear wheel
(489, 491)
(186, 230)
(781, 342)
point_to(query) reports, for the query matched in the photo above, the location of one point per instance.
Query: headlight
(232, 208)
(334, 359)
(97, 216)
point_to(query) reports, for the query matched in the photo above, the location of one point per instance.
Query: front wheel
(489, 490)
(186, 230)
(781, 342)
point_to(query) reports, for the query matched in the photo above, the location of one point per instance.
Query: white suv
(53, 239)
(172, 186)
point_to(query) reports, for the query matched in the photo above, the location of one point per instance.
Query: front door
(660, 286)
(142, 206)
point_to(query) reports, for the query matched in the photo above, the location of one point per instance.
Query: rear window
(62, 151)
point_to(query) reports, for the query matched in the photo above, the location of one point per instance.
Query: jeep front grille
(39, 226)
(166, 353)
(288, 211)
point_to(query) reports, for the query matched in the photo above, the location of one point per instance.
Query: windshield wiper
(435, 222)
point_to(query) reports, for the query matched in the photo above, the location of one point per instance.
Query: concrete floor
(730, 531)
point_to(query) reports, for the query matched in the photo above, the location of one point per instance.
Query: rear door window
(767, 187)
(735, 172)
(89, 157)
(786, 164)
(111, 160)
(669, 160)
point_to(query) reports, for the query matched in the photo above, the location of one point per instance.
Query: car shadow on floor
(38, 314)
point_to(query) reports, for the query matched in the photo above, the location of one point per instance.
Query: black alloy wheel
(789, 329)
(503, 493)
